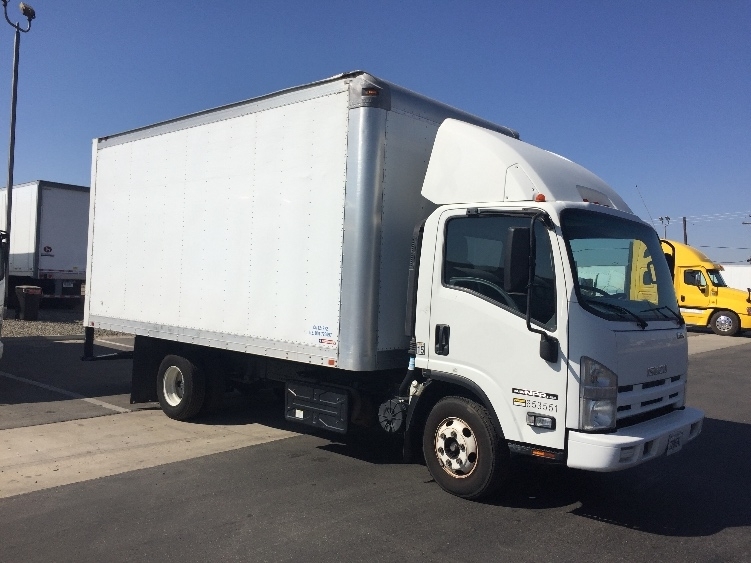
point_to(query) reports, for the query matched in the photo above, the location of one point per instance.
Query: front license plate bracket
(674, 442)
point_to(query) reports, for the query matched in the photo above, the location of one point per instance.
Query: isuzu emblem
(657, 370)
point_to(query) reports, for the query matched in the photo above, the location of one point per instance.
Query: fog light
(540, 421)
(627, 453)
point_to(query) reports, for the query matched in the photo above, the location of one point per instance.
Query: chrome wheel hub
(724, 323)
(173, 386)
(456, 447)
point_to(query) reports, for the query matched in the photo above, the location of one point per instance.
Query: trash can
(28, 302)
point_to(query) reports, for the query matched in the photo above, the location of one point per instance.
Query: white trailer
(737, 275)
(49, 228)
(384, 258)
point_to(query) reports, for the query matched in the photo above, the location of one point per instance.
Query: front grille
(649, 399)
(637, 419)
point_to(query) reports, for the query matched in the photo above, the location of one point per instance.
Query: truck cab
(703, 296)
(551, 301)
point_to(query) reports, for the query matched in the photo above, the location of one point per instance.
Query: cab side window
(694, 277)
(474, 256)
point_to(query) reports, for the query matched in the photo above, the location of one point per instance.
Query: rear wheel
(725, 323)
(181, 387)
(463, 452)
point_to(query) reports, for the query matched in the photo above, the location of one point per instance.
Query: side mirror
(647, 278)
(516, 260)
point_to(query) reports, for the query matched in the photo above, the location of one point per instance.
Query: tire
(181, 388)
(725, 323)
(463, 452)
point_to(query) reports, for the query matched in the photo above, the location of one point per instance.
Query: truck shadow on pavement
(698, 492)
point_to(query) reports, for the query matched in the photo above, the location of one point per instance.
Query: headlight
(598, 396)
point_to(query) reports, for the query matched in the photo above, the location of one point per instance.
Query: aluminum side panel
(361, 243)
(233, 227)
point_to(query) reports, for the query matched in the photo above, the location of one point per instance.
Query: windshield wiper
(639, 321)
(676, 317)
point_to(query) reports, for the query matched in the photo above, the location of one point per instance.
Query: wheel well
(434, 392)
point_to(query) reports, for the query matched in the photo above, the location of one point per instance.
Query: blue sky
(654, 94)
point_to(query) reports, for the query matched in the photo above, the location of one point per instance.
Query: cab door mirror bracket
(521, 249)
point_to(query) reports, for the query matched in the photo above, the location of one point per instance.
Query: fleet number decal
(535, 405)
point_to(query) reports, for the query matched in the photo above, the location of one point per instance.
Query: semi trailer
(384, 259)
(49, 228)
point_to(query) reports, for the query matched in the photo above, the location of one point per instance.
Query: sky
(653, 97)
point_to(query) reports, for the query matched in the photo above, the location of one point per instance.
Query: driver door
(479, 330)
(693, 296)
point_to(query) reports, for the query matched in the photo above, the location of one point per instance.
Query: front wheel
(181, 387)
(463, 452)
(725, 323)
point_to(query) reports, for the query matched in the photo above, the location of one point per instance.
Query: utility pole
(685, 234)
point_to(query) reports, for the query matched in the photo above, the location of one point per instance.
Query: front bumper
(633, 445)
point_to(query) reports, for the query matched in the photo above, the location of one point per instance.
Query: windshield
(716, 278)
(619, 269)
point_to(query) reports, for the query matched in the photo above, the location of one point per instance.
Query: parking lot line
(70, 394)
(100, 341)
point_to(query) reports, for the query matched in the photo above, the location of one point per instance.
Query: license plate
(674, 442)
(67, 284)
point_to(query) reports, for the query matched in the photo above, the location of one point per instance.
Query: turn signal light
(542, 453)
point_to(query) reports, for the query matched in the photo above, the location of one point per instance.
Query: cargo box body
(49, 227)
(280, 226)
(737, 275)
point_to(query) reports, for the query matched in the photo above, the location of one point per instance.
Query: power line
(645, 205)
(712, 216)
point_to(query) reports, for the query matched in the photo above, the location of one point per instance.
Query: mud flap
(147, 355)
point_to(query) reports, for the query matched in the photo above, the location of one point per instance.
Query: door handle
(442, 333)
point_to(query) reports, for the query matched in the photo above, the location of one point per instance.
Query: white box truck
(49, 228)
(386, 259)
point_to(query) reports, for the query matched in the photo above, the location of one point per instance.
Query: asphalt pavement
(85, 476)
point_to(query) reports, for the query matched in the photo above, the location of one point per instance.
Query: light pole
(29, 13)
(665, 222)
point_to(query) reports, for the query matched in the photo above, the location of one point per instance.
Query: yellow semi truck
(703, 296)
